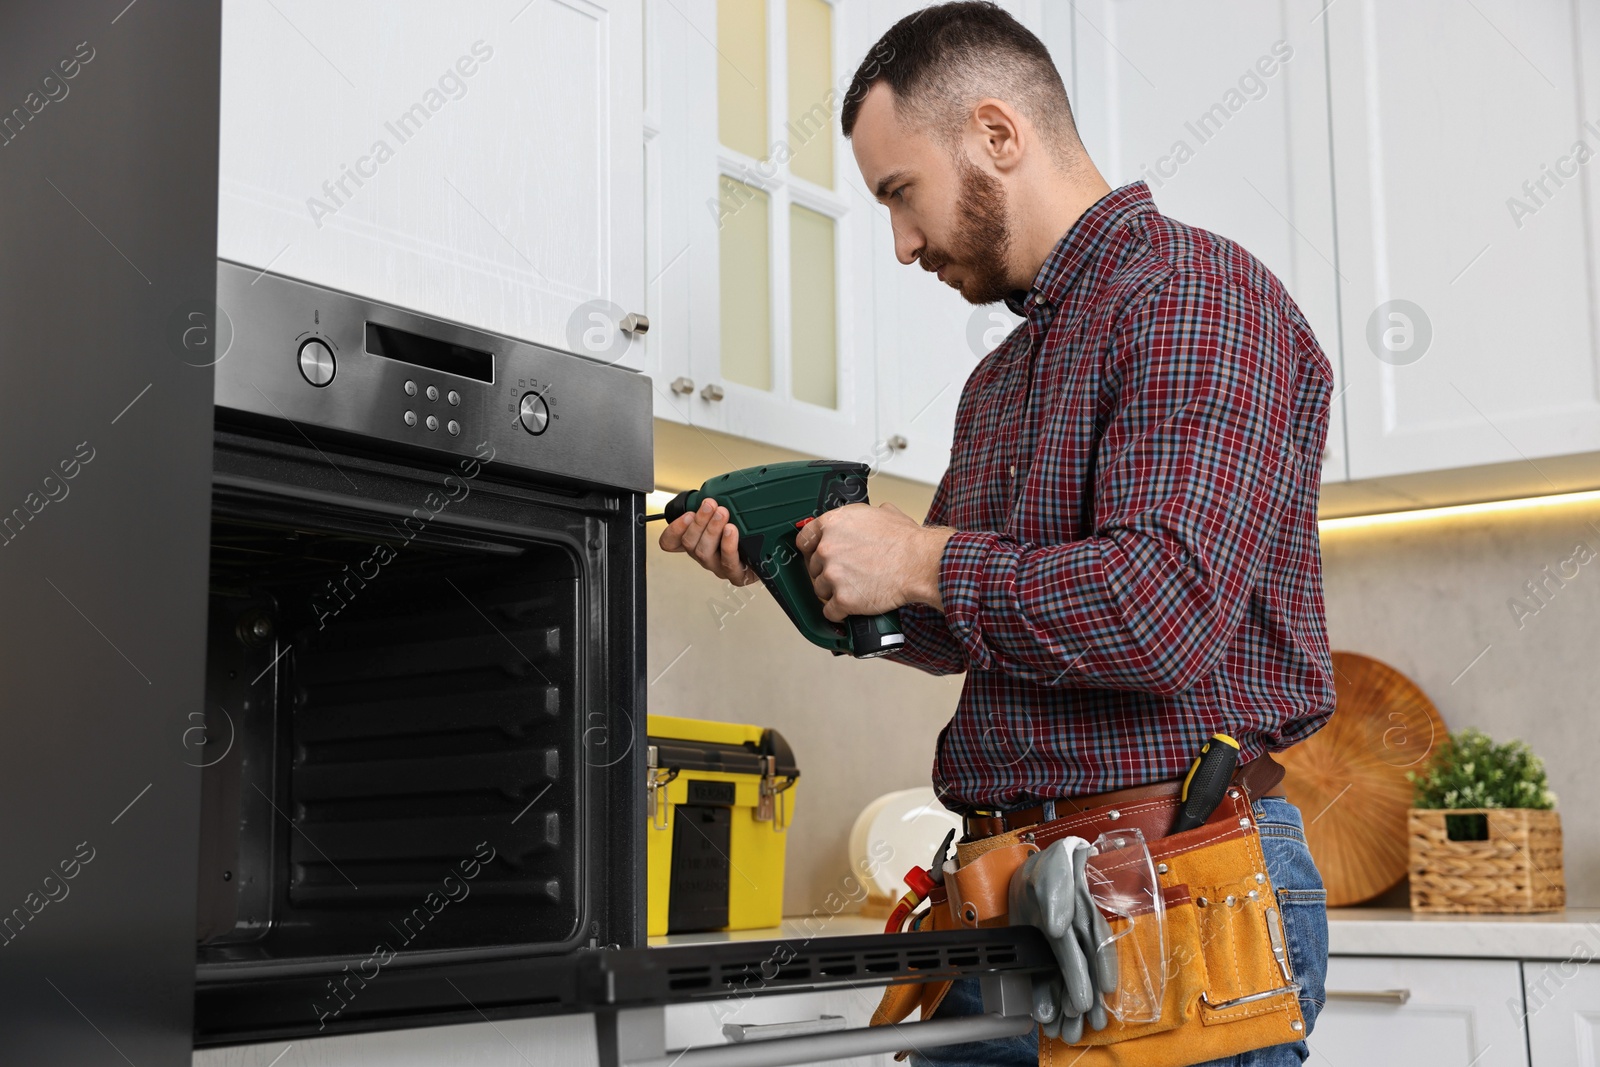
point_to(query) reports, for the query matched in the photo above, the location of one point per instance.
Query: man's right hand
(711, 540)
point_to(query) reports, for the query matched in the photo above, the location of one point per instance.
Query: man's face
(946, 211)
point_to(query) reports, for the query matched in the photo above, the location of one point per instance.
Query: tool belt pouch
(898, 1001)
(1224, 982)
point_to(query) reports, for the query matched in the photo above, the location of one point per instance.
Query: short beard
(982, 237)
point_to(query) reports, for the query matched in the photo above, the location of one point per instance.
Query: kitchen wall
(1427, 597)
(1430, 597)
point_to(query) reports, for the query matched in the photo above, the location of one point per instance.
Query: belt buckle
(972, 831)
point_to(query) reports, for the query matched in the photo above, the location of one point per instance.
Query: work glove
(1050, 891)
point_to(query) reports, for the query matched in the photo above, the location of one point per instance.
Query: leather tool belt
(1229, 987)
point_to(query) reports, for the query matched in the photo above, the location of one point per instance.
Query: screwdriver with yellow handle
(1206, 782)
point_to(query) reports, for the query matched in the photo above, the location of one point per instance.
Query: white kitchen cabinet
(1389, 1010)
(815, 331)
(1445, 119)
(927, 338)
(482, 163)
(1563, 1005)
(700, 1025)
(1221, 108)
(549, 1041)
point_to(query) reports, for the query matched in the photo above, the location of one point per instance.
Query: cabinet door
(549, 1041)
(1389, 1010)
(1463, 223)
(480, 164)
(761, 238)
(1221, 108)
(928, 339)
(700, 1025)
(680, 235)
(1563, 1004)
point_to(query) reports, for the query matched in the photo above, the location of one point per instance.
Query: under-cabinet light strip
(1490, 507)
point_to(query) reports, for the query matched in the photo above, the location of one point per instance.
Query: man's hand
(707, 536)
(867, 560)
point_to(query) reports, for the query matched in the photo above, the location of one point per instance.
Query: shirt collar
(1083, 243)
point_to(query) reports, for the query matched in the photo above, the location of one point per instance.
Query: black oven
(424, 719)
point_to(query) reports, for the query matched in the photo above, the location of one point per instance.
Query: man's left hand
(866, 560)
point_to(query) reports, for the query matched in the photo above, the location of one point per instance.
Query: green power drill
(768, 505)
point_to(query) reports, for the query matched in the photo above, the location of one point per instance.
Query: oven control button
(411, 388)
(454, 427)
(535, 413)
(316, 362)
(433, 422)
(433, 392)
(411, 418)
(454, 398)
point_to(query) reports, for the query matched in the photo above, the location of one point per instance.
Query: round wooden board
(1349, 778)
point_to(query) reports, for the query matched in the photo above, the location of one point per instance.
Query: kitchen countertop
(1401, 932)
(1351, 932)
(803, 927)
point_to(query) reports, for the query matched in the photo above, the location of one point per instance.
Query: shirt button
(1038, 298)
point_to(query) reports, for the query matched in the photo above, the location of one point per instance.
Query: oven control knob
(535, 413)
(316, 363)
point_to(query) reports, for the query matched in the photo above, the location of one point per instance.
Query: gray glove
(1051, 892)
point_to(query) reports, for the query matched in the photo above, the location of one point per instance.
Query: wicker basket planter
(1518, 869)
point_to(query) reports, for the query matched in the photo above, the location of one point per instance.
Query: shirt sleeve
(1196, 464)
(930, 646)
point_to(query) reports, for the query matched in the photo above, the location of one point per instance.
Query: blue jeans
(1302, 902)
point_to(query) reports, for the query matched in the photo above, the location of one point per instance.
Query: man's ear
(999, 133)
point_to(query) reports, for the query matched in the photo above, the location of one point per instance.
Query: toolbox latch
(655, 786)
(770, 801)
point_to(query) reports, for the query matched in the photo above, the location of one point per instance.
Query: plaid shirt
(1134, 483)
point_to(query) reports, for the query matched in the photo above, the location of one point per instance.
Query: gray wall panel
(107, 237)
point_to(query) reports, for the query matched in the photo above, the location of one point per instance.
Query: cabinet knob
(898, 442)
(683, 386)
(634, 323)
(713, 391)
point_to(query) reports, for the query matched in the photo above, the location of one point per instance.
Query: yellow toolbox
(720, 798)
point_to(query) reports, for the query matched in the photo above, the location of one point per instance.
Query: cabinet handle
(814, 1048)
(898, 442)
(683, 386)
(1371, 996)
(767, 1031)
(712, 391)
(633, 322)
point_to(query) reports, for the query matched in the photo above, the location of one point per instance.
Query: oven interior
(390, 747)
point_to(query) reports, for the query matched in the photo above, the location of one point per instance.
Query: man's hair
(942, 60)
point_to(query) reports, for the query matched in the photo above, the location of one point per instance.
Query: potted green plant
(1484, 835)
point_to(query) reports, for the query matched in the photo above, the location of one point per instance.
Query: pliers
(922, 881)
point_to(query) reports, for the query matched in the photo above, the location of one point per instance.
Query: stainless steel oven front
(422, 744)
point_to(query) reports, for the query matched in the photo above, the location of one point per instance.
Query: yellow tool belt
(1228, 979)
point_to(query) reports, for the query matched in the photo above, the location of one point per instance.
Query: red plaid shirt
(1134, 484)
